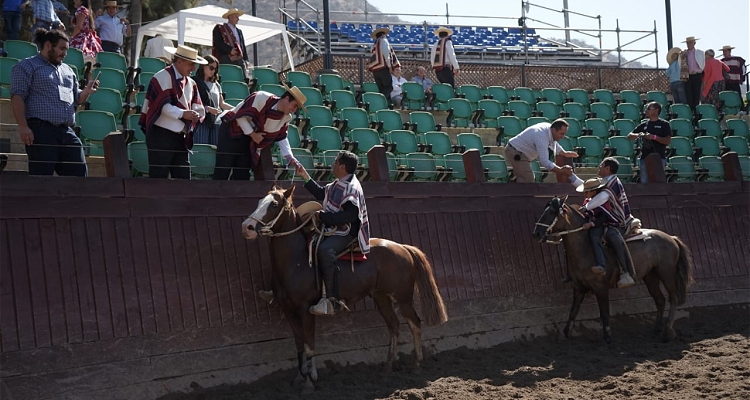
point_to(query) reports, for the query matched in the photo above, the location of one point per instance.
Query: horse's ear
(289, 192)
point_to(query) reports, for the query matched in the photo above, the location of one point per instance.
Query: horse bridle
(548, 232)
(267, 227)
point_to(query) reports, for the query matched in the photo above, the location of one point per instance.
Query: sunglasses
(212, 68)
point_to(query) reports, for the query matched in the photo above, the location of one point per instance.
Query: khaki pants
(521, 166)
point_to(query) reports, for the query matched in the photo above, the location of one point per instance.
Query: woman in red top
(713, 79)
(84, 37)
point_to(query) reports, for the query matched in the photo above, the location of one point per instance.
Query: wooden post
(473, 166)
(655, 169)
(732, 168)
(264, 171)
(116, 156)
(378, 163)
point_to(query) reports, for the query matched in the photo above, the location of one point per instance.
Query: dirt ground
(709, 360)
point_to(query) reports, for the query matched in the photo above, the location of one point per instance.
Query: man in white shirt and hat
(112, 29)
(737, 71)
(156, 47)
(443, 57)
(228, 41)
(693, 61)
(382, 61)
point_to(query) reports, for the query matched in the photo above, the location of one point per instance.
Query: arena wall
(134, 288)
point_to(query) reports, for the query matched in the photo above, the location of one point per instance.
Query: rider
(345, 218)
(614, 202)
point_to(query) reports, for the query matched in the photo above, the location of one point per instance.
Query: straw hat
(443, 29)
(308, 208)
(691, 39)
(591, 184)
(186, 53)
(297, 94)
(671, 53)
(111, 3)
(374, 33)
(727, 47)
(232, 11)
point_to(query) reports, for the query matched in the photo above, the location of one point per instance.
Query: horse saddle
(353, 252)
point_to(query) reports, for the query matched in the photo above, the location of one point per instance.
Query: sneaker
(324, 307)
(625, 281)
(599, 270)
(266, 295)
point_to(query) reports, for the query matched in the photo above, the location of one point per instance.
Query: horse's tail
(684, 276)
(432, 304)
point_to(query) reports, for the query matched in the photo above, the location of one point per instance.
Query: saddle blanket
(641, 234)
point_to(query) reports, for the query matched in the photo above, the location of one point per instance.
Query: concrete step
(20, 162)
(6, 112)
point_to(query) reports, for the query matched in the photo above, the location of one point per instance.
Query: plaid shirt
(37, 81)
(44, 11)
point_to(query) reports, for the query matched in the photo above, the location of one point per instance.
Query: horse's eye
(275, 203)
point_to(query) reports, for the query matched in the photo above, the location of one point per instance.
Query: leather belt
(41, 121)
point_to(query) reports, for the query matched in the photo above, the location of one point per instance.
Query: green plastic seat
(113, 79)
(391, 120)
(455, 162)
(106, 99)
(681, 146)
(554, 95)
(745, 166)
(631, 96)
(342, 99)
(510, 126)
(715, 168)
(94, 127)
(680, 110)
(74, 57)
(328, 138)
(630, 111)
(365, 138)
(548, 109)
(738, 127)
(152, 65)
(580, 96)
(413, 96)
(738, 144)
(708, 111)
(710, 127)
(138, 134)
(471, 93)
(261, 76)
(356, 118)
(625, 170)
(520, 109)
(276, 89)
(603, 111)
(331, 82)
(605, 96)
(732, 102)
(425, 167)
(497, 169)
(422, 121)
(440, 143)
(404, 140)
(20, 49)
(443, 92)
(527, 95)
(314, 97)
(138, 156)
(374, 102)
(575, 110)
(682, 127)
(709, 146)
(202, 161)
(594, 150)
(597, 127)
(623, 147)
(623, 126)
(459, 113)
(471, 141)
(370, 87)
(235, 90)
(685, 168)
(299, 78)
(106, 59)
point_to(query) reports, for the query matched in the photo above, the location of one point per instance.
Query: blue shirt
(39, 84)
(426, 82)
(44, 10)
(12, 5)
(673, 72)
(110, 29)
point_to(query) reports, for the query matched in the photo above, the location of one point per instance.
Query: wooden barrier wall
(132, 288)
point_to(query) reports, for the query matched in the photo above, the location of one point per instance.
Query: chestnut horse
(658, 258)
(390, 274)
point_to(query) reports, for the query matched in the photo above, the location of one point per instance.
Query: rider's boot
(325, 305)
(266, 295)
(625, 281)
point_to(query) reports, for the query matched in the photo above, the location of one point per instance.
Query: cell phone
(97, 76)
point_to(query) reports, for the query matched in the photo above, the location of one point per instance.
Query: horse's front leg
(578, 295)
(304, 356)
(602, 298)
(308, 330)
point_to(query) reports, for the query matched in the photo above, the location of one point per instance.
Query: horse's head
(268, 213)
(550, 217)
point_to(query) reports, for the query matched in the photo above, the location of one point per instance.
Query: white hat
(186, 53)
(591, 184)
(671, 53)
(443, 29)
(691, 39)
(374, 33)
(233, 11)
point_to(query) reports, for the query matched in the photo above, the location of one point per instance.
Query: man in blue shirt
(112, 29)
(45, 15)
(673, 73)
(44, 96)
(12, 10)
(422, 79)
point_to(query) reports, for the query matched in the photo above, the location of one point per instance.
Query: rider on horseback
(612, 201)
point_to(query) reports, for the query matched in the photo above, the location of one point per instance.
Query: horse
(390, 274)
(657, 258)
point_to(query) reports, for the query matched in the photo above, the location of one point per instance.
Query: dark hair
(42, 36)
(211, 59)
(349, 160)
(559, 123)
(443, 34)
(612, 164)
(654, 104)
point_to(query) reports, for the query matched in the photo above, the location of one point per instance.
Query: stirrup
(599, 270)
(266, 295)
(625, 281)
(324, 307)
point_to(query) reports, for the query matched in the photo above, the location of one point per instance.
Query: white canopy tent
(195, 25)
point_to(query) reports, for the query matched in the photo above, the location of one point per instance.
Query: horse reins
(557, 234)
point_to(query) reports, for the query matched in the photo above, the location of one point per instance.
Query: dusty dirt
(709, 360)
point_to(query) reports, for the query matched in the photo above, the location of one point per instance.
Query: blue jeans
(12, 20)
(55, 149)
(678, 92)
(327, 251)
(644, 175)
(614, 238)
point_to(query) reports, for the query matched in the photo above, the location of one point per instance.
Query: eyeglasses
(212, 68)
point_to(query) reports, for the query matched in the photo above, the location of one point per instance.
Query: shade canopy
(195, 25)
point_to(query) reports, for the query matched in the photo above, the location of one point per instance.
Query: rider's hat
(591, 184)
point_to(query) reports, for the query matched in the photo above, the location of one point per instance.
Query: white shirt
(155, 48)
(170, 114)
(534, 141)
(601, 198)
(396, 83)
(450, 54)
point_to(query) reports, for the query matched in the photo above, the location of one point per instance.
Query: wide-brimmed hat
(591, 184)
(374, 33)
(186, 53)
(443, 29)
(232, 11)
(297, 94)
(691, 39)
(111, 3)
(727, 47)
(672, 52)
(308, 208)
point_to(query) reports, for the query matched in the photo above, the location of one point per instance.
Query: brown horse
(389, 275)
(658, 258)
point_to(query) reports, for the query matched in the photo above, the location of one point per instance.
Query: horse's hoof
(308, 387)
(608, 339)
(669, 334)
(566, 331)
(314, 375)
(298, 381)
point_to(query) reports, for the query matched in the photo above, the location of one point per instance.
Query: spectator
(422, 79)
(443, 57)
(12, 10)
(396, 81)
(156, 48)
(84, 37)
(676, 85)
(535, 142)
(45, 17)
(171, 112)
(112, 29)
(228, 40)
(44, 96)
(713, 80)
(655, 135)
(382, 62)
(258, 122)
(695, 61)
(207, 79)
(737, 71)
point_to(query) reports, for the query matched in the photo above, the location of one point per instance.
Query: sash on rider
(618, 200)
(228, 36)
(345, 190)
(438, 54)
(377, 59)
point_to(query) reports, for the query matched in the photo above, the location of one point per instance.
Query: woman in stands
(84, 37)
(713, 80)
(207, 80)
